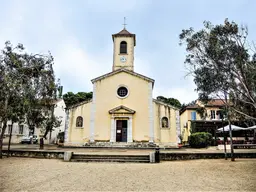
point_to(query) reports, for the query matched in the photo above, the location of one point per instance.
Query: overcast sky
(78, 34)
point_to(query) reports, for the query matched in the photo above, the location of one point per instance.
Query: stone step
(111, 160)
(74, 156)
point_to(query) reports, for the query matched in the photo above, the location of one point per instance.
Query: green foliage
(202, 112)
(188, 104)
(222, 62)
(193, 127)
(171, 101)
(28, 87)
(60, 136)
(200, 139)
(71, 99)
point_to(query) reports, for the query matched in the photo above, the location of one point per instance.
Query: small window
(123, 47)
(193, 115)
(122, 91)
(79, 121)
(219, 114)
(213, 114)
(165, 123)
(21, 129)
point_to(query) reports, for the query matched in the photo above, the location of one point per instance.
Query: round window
(122, 91)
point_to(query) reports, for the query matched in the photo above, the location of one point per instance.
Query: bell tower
(123, 56)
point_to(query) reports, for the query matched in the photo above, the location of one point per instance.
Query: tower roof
(125, 33)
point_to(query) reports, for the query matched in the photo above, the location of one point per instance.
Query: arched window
(123, 47)
(79, 121)
(165, 123)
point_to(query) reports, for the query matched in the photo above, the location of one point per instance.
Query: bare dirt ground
(27, 174)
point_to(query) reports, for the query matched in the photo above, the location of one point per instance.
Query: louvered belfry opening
(123, 47)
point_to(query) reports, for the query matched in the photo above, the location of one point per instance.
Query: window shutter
(193, 115)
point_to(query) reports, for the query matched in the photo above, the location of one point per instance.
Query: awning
(252, 127)
(233, 128)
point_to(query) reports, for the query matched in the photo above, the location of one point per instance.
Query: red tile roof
(211, 103)
(192, 107)
(124, 32)
(216, 102)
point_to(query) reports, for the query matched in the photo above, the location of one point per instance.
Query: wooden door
(121, 130)
(124, 131)
(118, 130)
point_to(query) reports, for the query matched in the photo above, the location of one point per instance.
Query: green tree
(223, 63)
(171, 101)
(27, 85)
(71, 99)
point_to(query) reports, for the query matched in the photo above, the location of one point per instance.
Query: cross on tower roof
(124, 22)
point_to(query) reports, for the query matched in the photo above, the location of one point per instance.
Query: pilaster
(66, 132)
(129, 136)
(113, 130)
(93, 112)
(178, 132)
(151, 117)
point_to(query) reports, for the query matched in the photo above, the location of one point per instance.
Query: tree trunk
(4, 126)
(224, 140)
(46, 132)
(10, 138)
(32, 129)
(50, 137)
(2, 138)
(230, 129)
(50, 127)
(231, 141)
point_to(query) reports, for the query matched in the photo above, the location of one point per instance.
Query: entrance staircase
(76, 157)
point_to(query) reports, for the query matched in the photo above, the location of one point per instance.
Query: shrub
(60, 136)
(200, 139)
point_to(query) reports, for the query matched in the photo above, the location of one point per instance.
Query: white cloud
(43, 26)
(11, 19)
(77, 66)
(116, 6)
(73, 65)
(183, 94)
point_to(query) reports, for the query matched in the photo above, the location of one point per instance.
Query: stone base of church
(132, 145)
(122, 144)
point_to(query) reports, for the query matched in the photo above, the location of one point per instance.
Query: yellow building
(209, 121)
(122, 109)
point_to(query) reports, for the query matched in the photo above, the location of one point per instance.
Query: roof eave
(124, 35)
(123, 70)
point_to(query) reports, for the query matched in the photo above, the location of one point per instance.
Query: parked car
(26, 139)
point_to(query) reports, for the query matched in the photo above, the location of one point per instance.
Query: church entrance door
(121, 130)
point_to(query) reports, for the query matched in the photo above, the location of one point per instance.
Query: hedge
(200, 139)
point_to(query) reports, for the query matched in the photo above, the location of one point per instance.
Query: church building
(122, 109)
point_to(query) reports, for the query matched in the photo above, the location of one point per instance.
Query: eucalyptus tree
(28, 87)
(223, 64)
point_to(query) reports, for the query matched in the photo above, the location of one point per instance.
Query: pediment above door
(121, 110)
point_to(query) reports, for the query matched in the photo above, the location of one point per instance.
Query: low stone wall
(45, 154)
(189, 156)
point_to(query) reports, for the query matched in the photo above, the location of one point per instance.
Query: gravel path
(26, 174)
